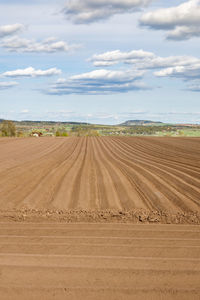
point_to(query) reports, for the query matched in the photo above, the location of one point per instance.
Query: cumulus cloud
(99, 82)
(170, 61)
(114, 57)
(50, 45)
(6, 85)
(184, 72)
(7, 30)
(189, 73)
(31, 72)
(108, 75)
(89, 11)
(142, 59)
(183, 67)
(182, 22)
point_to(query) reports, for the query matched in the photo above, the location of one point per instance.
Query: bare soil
(100, 218)
(99, 261)
(100, 174)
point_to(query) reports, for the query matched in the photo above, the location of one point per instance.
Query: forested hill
(140, 122)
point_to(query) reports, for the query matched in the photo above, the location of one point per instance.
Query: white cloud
(49, 45)
(185, 72)
(114, 57)
(89, 11)
(10, 29)
(31, 72)
(184, 32)
(6, 85)
(142, 59)
(182, 22)
(107, 75)
(183, 67)
(99, 82)
(188, 73)
(170, 61)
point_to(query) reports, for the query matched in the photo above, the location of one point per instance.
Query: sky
(100, 61)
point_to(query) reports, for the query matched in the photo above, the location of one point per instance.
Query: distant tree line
(10, 129)
(61, 133)
(148, 130)
(7, 128)
(84, 130)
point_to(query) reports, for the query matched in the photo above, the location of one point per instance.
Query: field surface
(70, 210)
(99, 261)
(100, 173)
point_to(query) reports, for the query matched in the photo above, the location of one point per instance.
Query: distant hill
(140, 122)
(27, 122)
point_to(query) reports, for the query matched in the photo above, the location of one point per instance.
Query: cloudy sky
(102, 61)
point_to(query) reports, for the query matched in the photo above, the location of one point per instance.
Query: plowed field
(99, 261)
(100, 173)
(67, 208)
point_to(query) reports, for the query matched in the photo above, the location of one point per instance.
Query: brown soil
(99, 261)
(77, 218)
(98, 174)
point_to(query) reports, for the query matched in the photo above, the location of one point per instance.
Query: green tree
(8, 128)
(61, 133)
(64, 133)
(58, 133)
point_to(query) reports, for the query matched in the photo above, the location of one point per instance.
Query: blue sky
(100, 61)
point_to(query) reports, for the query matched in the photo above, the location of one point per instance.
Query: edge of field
(105, 216)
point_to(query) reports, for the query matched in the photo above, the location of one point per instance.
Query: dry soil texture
(105, 181)
(99, 261)
(96, 174)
